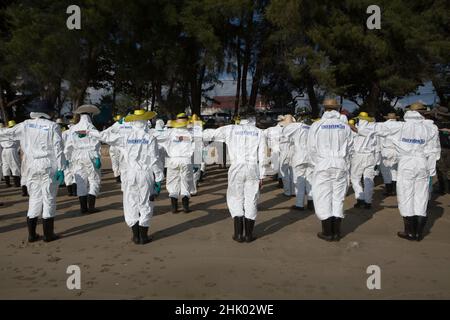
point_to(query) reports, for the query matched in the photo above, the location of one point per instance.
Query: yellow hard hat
(363, 114)
(416, 106)
(140, 115)
(117, 117)
(169, 123)
(182, 116)
(351, 121)
(195, 117)
(11, 123)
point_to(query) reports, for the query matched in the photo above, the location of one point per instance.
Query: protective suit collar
(249, 121)
(36, 115)
(413, 115)
(85, 123)
(333, 114)
(159, 125)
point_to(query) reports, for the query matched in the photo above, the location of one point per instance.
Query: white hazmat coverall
(247, 147)
(273, 143)
(41, 141)
(415, 141)
(10, 157)
(83, 152)
(179, 145)
(140, 155)
(117, 159)
(330, 145)
(389, 156)
(69, 177)
(301, 164)
(286, 170)
(366, 155)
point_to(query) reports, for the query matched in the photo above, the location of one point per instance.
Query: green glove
(59, 177)
(157, 187)
(81, 135)
(97, 163)
(121, 120)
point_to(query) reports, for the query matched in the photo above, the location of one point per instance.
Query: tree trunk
(247, 57)
(312, 96)
(372, 100)
(239, 75)
(256, 83)
(3, 106)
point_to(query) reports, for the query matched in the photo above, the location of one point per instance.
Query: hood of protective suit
(140, 124)
(159, 125)
(84, 124)
(249, 121)
(413, 115)
(36, 115)
(333, 114)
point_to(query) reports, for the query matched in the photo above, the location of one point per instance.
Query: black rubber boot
(408, 233)
(238, 229)
(185, 201)
(70, 190)
(49, 234)
(294, 207)
(421, 222)
(367, 205)
(135, 230)
(32, 235)
(336, 228)
(394, 188)
(310, 205)
(143, 237)
(91, 204)
(118, 179)
(24, 191)
(202, 174)
(388, 187)
(327, 232)
(249, 226)
(174, 203)
(84, 204)
(74, 189)
(280, 183)
(8, 181)
(16, 181)
(359, 203)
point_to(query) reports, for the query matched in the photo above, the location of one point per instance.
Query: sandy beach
(192, 255)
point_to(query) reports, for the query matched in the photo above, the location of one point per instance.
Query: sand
(193, 257)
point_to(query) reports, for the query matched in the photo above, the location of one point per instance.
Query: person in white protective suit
(40, 139)
(389, 159)
(143, 174)
(114, 152)
(416, 143)
(11, 159)
(84, 153)
(160, 134)
(195, 126)
(330, 144)
(297, 133)
(273, 143)
(179, 145)
(285, 158)
(69, 177)
(366, 157)
(247, 146)
(1, 150)
(117, 158)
